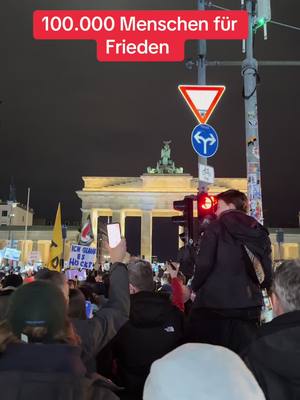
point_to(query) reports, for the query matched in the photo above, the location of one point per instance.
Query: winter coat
(155, 327)
(95, 333)
(48, 372)
(274, 357)
(185, 257)
(224, 275)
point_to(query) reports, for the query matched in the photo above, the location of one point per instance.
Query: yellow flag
(56, 247)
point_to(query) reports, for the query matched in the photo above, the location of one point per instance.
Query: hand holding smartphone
(172, 268)
(172, 265)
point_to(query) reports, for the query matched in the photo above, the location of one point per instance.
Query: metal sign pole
(249, 72)
(201, 81)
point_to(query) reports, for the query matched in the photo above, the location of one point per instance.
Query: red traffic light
(206, 204)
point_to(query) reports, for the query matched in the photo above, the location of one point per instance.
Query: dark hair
(100, 273)
(71, 282)
(140, 275)
(87, 292)
(90, 278)
(76, 304)
(57, 278)
(12, 280)
(235, 197)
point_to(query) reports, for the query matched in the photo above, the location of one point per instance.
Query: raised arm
(98, 331)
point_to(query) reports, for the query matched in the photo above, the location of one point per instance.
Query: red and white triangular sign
(202, 99)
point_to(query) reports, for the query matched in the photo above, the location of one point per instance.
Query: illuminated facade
(147, 196)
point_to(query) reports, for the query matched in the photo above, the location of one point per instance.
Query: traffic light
(186, 219)
(193, 227)
(207, 205)
(263, 13)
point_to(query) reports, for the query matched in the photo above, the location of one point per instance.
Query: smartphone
(88, 309)
(114, 234)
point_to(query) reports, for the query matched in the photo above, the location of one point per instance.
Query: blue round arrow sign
(205, 140)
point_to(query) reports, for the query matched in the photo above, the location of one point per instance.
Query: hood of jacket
(277, 347)
(149, 309)
(247, 231)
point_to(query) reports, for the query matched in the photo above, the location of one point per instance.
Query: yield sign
(202, 99)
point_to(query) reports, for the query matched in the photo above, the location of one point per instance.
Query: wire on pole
(210, 4)
(297, 28)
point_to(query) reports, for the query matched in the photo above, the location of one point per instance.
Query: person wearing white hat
(201, 371)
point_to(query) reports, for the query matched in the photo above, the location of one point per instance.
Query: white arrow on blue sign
(205, 140)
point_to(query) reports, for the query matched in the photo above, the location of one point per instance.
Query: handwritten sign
(82, 256)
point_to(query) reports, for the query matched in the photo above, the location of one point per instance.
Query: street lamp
(11, 216)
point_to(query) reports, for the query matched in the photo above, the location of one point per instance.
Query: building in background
(151, 195)
(13, 213)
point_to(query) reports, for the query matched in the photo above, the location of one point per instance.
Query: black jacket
(155, 327)
(95, 333)
(186, 258)
(224, 275)
(49, 372)
(274, 357)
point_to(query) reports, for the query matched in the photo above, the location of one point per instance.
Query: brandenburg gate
(150, 195)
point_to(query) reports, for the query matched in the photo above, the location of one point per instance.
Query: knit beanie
(37, 304)
(201, 371)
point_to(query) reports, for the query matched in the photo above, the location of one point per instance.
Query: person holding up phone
(99, 330)
(176, 285)
(95, 333)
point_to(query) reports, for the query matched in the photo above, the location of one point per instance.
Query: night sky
(65, 115)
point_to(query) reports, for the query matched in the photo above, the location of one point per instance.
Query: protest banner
(12, 254)
(76, 274)
(82, 256)
(34, 256)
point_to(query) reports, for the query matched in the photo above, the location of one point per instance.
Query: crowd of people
(191, 329)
